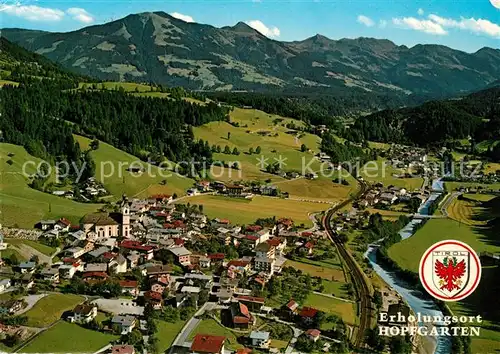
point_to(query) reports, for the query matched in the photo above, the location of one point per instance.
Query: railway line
(360, 282)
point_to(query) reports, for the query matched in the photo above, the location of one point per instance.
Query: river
(418, 301)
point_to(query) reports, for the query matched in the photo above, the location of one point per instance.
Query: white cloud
(368, 22)
(426, 26)
(80, 14)
(262, 28)
(34, 13)
(382, 23)
(480, 26)
(420, 11)
(182, 17)
(495, 3)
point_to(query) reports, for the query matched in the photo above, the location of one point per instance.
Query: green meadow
(23, 206)
(112, 169)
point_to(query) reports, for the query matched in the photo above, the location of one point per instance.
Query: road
(31, 300)
(191, 325)
(333, 297)
(447, 203)
(360, 282)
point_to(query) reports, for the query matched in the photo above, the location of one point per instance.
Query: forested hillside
(476, 116)
(42, 118)
(17, 64)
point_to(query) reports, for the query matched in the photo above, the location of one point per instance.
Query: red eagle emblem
(450, 273)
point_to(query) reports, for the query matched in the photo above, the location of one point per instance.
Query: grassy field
(257, 128)
(111, 85)
(480, 302)
(451, 186)
(46, 250)
(166, 333)
(327, 273)
(24, 206)
(8, 82)
(380, 146)
(437, 230)
(210, 326)
(335, 288)
(50, 308)
(381, 171)
(242, 211)
(469, 210)
(66, 337)
(387, 214)
(111, 170)
(346, 310)
(321, 188)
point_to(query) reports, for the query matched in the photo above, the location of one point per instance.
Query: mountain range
(156, 47)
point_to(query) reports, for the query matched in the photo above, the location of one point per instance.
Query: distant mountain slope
(16, 62)
(475, 116)
(159, 48)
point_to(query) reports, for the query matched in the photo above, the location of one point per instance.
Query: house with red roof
(207, 344)
(240, 315)
(203, 186)
(309, 247)
(122, 349)
(253, 228)
(145, 250)
(254, 303)
(95, 276)
(307, 315)
(63, 224)
(287, 223)
(313, 334)
(130, 287)
(160, 283)
(279, 243)
(216, 257)
(244, 351)
(239, 265)
(154, 299)
(289, 310)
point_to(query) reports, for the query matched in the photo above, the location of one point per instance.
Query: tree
(400, 345)
(235, 151)
(258, 150)
(228, 135)
(170, 314)
(94, 145)
(303, 148)
(133, 338)
(227, 150)
(374, 340)
(250, 151)
(13, 259)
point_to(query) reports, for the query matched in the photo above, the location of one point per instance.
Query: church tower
(125, 210)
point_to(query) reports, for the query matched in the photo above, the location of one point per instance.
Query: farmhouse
(207, 344)
(84, 313)
(125, 323)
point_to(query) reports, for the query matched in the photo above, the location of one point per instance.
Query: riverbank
(407, 283)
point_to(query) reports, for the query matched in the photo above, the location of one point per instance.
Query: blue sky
(466, 25)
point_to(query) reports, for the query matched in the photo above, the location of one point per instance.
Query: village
(151, 257)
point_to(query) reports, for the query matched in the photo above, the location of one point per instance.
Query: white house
(260, 339)
(84, 313)
(4, 285)
(126, 323)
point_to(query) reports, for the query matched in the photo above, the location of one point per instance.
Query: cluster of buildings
(88, 190)
(380, 196)
(131, 236)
